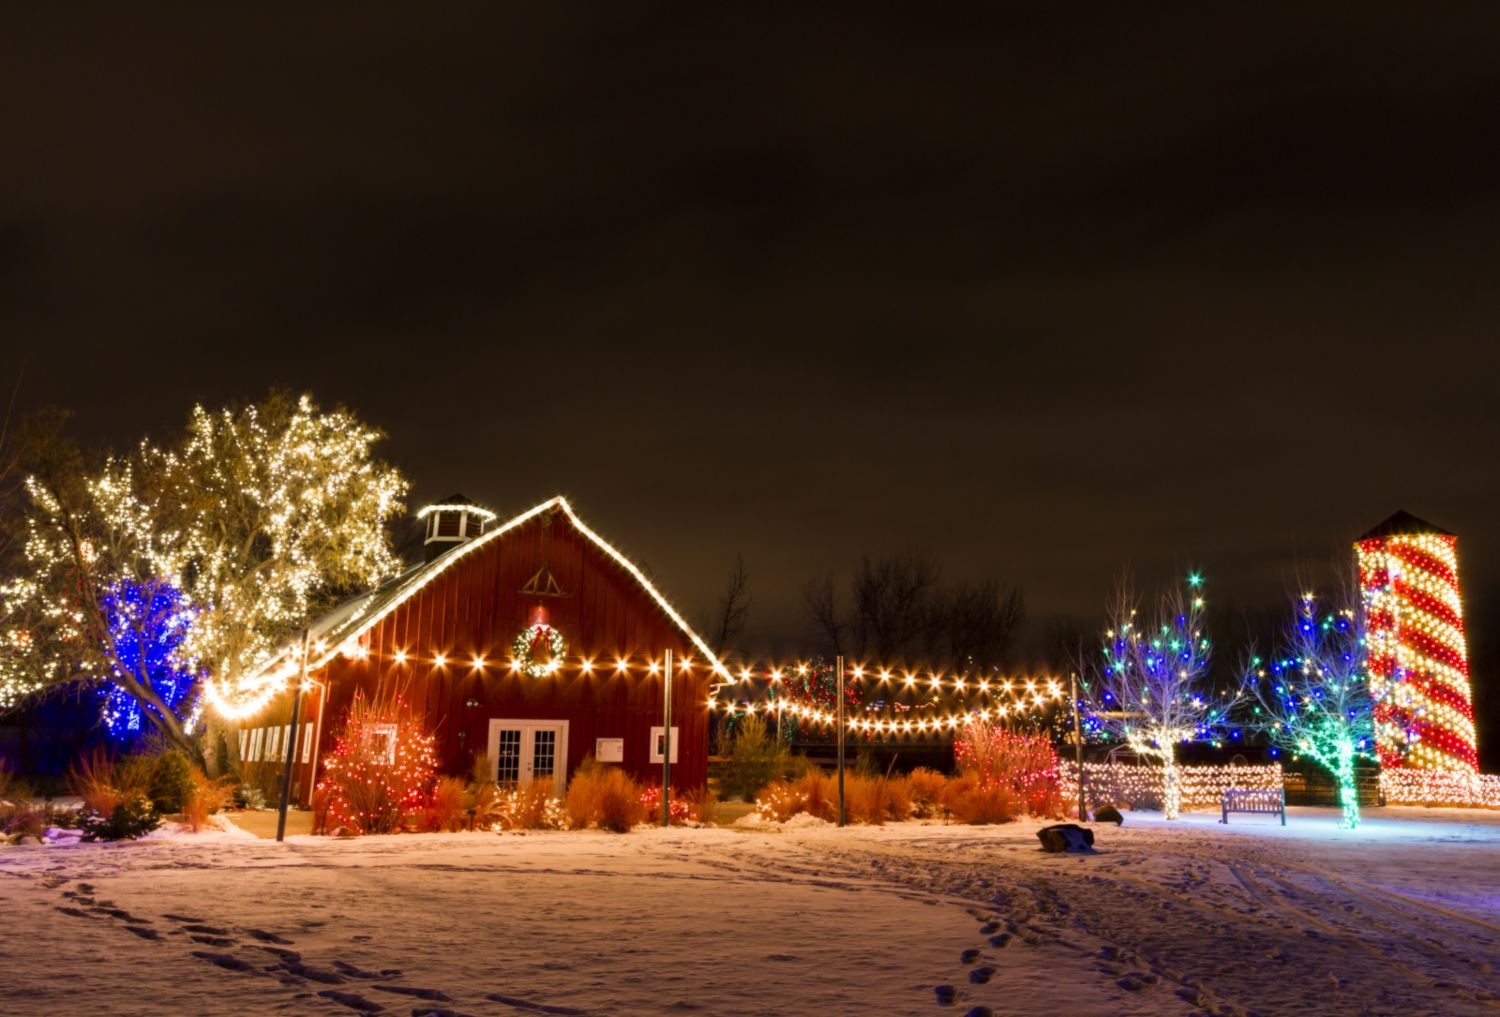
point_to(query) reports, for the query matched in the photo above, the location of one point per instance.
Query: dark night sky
(1048, 295)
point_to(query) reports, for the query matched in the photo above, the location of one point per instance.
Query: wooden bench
(1268, 803)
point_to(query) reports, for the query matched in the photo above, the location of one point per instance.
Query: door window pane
(508, 757)
(544, 754)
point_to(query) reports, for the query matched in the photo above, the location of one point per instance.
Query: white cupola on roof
(450, 522)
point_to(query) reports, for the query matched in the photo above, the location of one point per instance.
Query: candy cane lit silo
(1418, 659)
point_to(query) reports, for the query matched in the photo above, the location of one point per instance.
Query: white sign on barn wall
(609, 750)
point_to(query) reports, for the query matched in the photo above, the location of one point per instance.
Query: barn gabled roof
(1403, 523)
(356, 616)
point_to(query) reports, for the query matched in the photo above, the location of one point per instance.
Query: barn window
(657, 744)
(379, 744)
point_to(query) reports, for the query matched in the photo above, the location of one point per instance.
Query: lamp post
(666, 743)
(1078, 748)
(290, 745)
(839, 668)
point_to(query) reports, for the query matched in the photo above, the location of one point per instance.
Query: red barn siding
(474, 607)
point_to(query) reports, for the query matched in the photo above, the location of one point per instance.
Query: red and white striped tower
(1418, 659)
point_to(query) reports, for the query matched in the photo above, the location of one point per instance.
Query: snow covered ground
(1402, 917)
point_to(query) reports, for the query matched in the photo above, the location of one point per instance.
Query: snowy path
(1401, 918)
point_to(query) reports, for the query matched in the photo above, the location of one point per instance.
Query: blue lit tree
(146, 626)
(1148, 688)
(1313, 696)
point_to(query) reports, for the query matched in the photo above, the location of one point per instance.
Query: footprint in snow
(526, 1004)
(311, 973)
(205, 940)
(184, 918)
(352, 1000)
(267, 937)
(143, 933)
(227, 961)
(436, 995)
(286, 955)
(353, 972)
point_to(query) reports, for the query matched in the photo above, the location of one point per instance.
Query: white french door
(524, 751)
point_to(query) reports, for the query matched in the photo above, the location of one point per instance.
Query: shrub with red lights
(1023, 764)
(382, 766)
(679, 810)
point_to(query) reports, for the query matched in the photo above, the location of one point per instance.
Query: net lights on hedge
(1139, 785)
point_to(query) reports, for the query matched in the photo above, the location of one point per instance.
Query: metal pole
(839, 667)
(290, 746)
(666, 744)
(1078, 749)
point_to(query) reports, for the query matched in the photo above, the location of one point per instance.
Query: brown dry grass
(605, 797)
(445, 809)
(870, 800)
(209, 795)
(819, 794)
(103, 780)
(533, 807)
(703, 804)
(926, 788)
(898, 799)
(971, 801)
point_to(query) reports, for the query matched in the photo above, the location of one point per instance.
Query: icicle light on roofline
(486, 514)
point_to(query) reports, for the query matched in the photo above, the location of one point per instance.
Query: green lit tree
(1312, 697)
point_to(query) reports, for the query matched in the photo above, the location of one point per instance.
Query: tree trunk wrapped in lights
(1148, 688)
(1313, 696)
(256, 517)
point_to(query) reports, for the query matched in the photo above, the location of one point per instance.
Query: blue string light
(147, 622)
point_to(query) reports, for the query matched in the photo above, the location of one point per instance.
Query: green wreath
(525, 648)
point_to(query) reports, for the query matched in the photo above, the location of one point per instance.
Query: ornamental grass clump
(604, 797)
(104, 781)
(702, 804)
(867, 800)
(925, 787)
(533, 807)
(971, 800)
(446, 808)
(207, 796)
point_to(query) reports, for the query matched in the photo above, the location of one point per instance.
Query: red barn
(533, 641)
